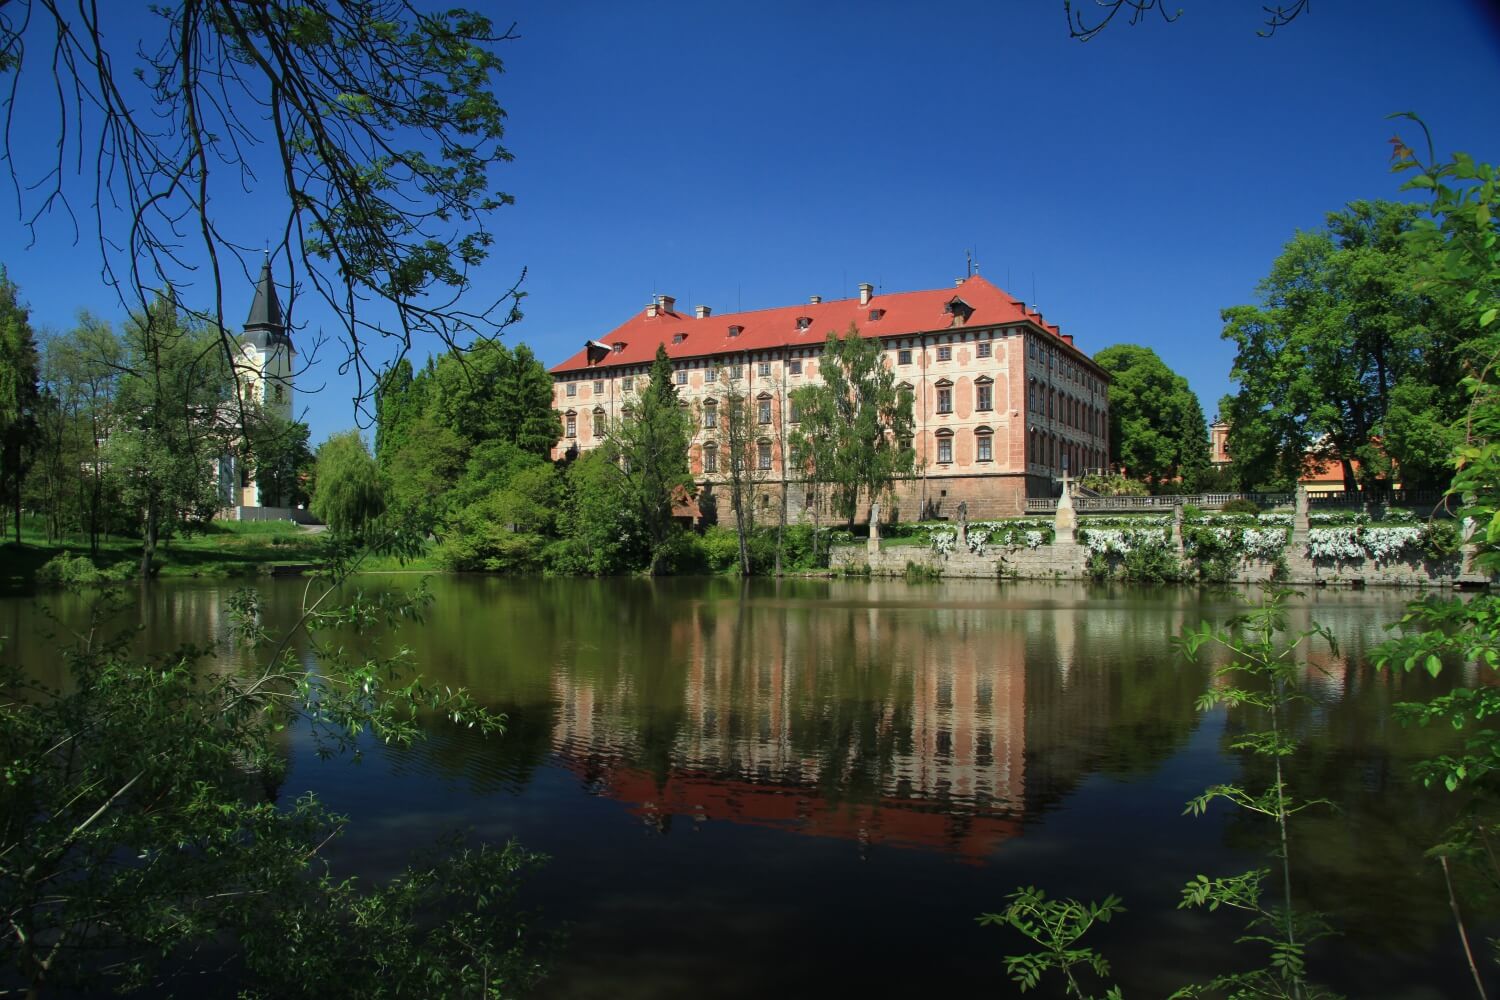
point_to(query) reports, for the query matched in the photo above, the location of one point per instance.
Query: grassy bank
(228, 549)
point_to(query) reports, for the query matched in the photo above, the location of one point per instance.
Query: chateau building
(1004, 402)
(264, 367)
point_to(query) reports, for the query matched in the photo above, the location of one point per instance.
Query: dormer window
(735, 331)
(959, 310)
(619, 346)
(678, 338)
(875, 314)
(803, 322)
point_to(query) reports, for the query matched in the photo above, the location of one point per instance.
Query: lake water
(812, 788)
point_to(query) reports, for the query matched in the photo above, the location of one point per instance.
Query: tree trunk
(148, 549)
(1350, 483)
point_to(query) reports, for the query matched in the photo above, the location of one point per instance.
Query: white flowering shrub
(986, 535)
(1120, 541)
(942, 541)
(1263, 543)
(1351, 543)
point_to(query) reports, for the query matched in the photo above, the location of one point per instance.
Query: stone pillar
(963, 526)
(1300, 521)
(1066, 521)
(1177, 541)
(873, 545)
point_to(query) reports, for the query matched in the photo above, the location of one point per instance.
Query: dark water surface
(811, 788)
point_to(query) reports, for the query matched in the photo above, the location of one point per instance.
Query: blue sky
(752, 155)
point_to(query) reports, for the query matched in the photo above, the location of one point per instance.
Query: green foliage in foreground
(1055, 926)
(143, 828)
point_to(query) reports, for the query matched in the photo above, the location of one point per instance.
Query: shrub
(1151, 564)
(721, 549)
(922, 573)
(1241, 506)
(65, 570)
(1440, 539)
(499, 551)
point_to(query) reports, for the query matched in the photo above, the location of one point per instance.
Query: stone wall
(1069, 561)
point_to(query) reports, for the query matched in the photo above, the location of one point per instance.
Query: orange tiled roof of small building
(902, 314)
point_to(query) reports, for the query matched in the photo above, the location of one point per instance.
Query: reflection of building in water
(866, 726)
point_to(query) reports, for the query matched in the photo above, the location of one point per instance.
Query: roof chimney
(813, 300)
(703, 312)
(652, 308)
(866, 290)
(958, 282)
(668, 304)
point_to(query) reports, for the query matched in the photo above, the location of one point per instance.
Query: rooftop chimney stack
(813, 300)
(866, 291)
(668, 304)
(703, 312)
(958, 282)
(652, 308)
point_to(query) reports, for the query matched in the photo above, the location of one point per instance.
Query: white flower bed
(1263, 543)
(1361, 542)
(1032, 533)
(1118, 541)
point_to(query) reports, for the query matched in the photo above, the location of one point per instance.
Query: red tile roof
(904, 314)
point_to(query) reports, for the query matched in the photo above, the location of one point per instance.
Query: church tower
(267, 354)
(265, 367)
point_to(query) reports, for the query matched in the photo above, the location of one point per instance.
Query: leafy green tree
(649, 455)
(82, 370)
(177, 415)
(1156, 425)
(738, 435)
(19, 396)
(280, 458)
(348, 495)
(1344, 358)
(597, 534)
(491, 393)
(855, 428)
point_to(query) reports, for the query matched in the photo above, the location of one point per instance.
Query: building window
(763, 411)
(982, 349)
(945, 353)
(712, 375)
(598, 423)
(710, 458)
(627, 414)
(903, 356)
(763, 369)
(984, 448)
(945, 399)
(682, 376)
(598, 387)
(737, 371)
(628, 383)
(945, 450)
(572, 388)
(710, 414)
(763, 454)
(795, 412)
(795, 367)
(983, 396)
(572, 426)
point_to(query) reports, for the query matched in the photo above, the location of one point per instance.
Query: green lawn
(226, 549)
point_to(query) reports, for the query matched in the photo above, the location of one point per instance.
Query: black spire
(265, 325)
